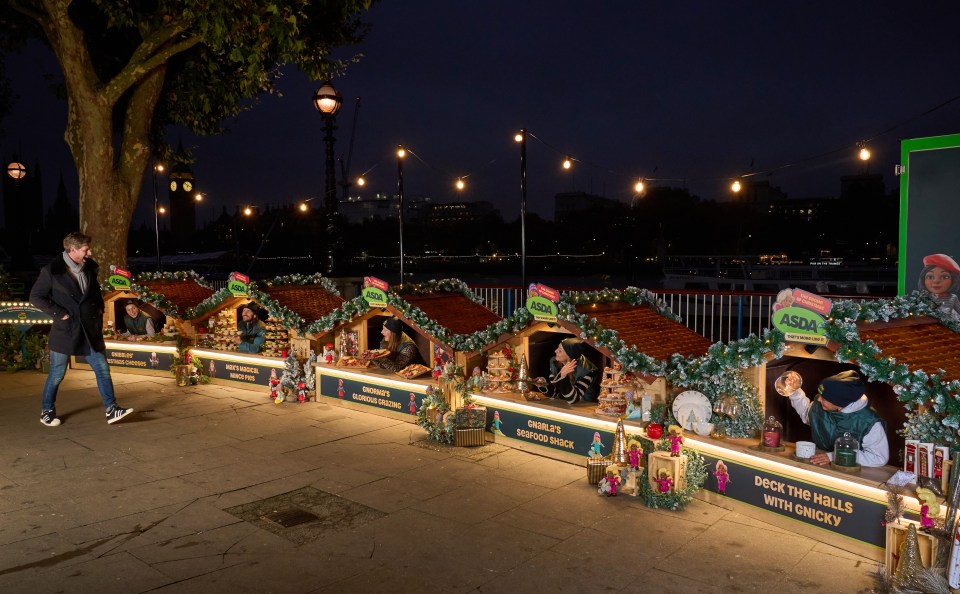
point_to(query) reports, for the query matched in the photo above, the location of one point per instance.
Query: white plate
(694, 402)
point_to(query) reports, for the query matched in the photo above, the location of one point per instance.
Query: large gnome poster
(929, 193)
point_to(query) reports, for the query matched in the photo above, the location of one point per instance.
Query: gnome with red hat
(941, 278)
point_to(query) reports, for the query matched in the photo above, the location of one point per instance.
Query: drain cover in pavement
(304, 515)
(290, 517)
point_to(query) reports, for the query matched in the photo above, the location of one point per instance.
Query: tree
(132, 68)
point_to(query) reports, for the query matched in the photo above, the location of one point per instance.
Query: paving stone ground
(173, 500)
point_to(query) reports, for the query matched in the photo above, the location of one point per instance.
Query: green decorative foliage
(346, 312)
(940, 418)
(208, 304)
(678, 499)
(446, 285)
(433, 402)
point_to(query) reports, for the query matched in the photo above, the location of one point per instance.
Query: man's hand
(820, 459)
(568, 368)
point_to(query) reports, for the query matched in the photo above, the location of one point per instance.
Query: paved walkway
(173, 499)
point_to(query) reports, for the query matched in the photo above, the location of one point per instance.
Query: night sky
(688, 92)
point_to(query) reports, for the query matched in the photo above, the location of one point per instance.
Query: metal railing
(720, 316)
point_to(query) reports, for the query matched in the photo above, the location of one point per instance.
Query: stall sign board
(119, 279)
(23, 314)
(246, 372)
(542, 303)
(135, 359)
(929, 186)
(238, 284)
(837, 511)
(558, 434)
(371, 393)
(375, 291)
(799, 324)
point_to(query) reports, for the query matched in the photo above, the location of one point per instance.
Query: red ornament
(654, 430)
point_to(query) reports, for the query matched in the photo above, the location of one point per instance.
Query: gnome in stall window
(941, 278)
(328, 353)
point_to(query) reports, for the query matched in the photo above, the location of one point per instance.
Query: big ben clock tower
(183, 205)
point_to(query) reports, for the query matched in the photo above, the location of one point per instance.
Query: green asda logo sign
(237, 288)
(118, 282)
(543, 309)
(375, 297)
(800, 325)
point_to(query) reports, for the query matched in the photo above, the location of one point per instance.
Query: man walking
(67, 289)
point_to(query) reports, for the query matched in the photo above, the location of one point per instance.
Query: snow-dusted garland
(346, 312)
(940, 420)
(287, 318)
(446, 285)
(178, 275)
(302, 279)
(208, 304)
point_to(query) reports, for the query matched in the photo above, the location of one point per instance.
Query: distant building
(183, 205)
(356, 209)
(865, 188)
(569, 206)
(759, 194)
(450, 213)
(807, 210)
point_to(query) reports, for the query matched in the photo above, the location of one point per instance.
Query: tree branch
(29, 10)
(155, 50)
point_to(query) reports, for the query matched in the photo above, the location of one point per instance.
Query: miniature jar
(845, 450)
(772, 431)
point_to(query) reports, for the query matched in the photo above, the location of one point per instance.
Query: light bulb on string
(303, 207)
(736, 186)
(864, 153)
(460, 184)
(401, 152)
(361, 182)
(639, 187)
(567, 163)
(518, 137)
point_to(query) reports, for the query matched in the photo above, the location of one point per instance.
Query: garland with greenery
(939, 420)
(434, 402)
(517, 321)
(678, 500)
(182, 275)
(346, 312)
(208, 304)
(287, 318)
(302, 279)
(631, 295)
(446, 285)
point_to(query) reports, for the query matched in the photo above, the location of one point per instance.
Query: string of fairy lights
(638, 183)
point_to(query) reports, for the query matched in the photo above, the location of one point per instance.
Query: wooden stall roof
(310, 302)
(921, 343)
(183, 294)
(646, 330)
(453, 311)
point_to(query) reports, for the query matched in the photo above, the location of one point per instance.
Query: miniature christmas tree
(910, 565)
(291, 373)
(309, 376)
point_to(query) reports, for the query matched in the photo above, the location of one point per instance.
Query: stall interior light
(380, 381)
(222, 356)
(26, 321)
(143, 347)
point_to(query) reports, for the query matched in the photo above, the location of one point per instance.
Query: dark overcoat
(56, 292)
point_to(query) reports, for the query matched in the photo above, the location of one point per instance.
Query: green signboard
(799, 324)
(375, 297)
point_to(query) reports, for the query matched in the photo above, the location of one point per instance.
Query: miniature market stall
(166, 299)
(216, 350)
(433, 315)
(630, 338)
(909, 358)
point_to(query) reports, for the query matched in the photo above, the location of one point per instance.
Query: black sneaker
(116, 413)
(49, 418)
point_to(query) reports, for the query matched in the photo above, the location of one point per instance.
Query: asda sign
(800, 325)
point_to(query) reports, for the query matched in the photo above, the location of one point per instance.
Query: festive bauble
(654, 430)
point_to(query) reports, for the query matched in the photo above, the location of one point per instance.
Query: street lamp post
(401, 153)
(522, 139)
(157, 168)
(16, 170)
(327, 100)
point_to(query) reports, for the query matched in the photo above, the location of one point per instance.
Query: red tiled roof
(646, 330)
(453, 311)
(920, 343)
(183, 294)
(310, 302)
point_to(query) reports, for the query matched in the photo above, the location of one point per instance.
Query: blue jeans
(58, 368)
